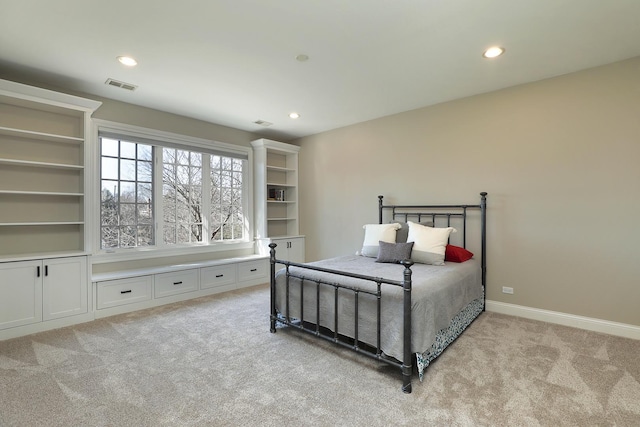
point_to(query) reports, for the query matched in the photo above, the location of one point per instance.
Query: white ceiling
(232, 62)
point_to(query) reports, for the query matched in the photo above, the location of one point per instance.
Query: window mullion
(158, 204)
(206, 198)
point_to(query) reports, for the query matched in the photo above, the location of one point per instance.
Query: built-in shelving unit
(42, 171)
(276, 198)
(44, 280)
(276, 189)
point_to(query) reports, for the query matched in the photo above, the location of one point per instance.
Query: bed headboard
(442, 215)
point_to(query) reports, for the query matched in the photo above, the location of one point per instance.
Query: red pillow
(456, 254)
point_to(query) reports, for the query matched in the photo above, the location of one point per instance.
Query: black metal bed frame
(397, 211)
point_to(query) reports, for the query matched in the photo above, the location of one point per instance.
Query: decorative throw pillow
(403, 231)
(373, 233)
(429, 243)
(457, 254)
(394, 252)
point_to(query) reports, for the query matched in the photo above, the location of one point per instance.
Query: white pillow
(429, 244)
(373, 233)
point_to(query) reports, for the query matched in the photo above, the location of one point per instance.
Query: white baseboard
(588, 323)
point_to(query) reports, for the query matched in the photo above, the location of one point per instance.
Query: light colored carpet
(212, 361)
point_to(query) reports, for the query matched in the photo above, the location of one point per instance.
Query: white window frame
(159, 249)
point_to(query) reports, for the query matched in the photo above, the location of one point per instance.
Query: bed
(403, 298)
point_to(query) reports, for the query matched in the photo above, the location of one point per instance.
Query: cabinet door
(64, 287)
(290, 249)
(282, 251)
(20, 293)
(296, 249)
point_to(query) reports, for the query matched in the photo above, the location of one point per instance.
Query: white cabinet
(42, 171)
(42, 290)
(20, 293)
(64, 287)
(290, 249)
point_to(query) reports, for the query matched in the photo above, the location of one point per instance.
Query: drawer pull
(253, 269)
(177, 283)
(126, 292)
(219, 275)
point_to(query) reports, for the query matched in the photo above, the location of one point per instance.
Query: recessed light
(493, 52)
(128, 61)
(294, 115)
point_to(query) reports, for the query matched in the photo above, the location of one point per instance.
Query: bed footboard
(333, 334)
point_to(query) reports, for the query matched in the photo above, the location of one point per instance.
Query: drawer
(112, 293)
(220, 275)
(174, 283)
(250, 270)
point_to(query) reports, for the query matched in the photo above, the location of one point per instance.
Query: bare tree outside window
(182, 196)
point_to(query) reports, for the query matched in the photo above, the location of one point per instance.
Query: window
(227, 218)
(196, 196)
(126, 195)
(182, 204)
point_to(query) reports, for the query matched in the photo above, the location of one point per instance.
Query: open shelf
(280, 169)
(23, 224)
(39, 164)
(43, 136)
(42, 171)
(41, 193)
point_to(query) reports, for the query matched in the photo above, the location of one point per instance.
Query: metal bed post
(483, 261)
(272, 259)
(406, 363)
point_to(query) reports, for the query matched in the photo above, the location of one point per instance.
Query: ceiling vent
(121, 85)
(263, 123)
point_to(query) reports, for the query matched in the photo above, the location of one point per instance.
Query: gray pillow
(403, 232)
(394, 252)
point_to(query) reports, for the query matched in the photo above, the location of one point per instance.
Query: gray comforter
(438, 294)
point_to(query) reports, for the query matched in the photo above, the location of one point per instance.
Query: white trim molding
(581, 322)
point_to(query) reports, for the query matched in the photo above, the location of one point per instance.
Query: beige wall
(122, 112)
(560, 159)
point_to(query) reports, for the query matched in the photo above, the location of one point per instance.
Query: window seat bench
(124, 291)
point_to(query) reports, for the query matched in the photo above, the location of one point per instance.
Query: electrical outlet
(507, 290)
